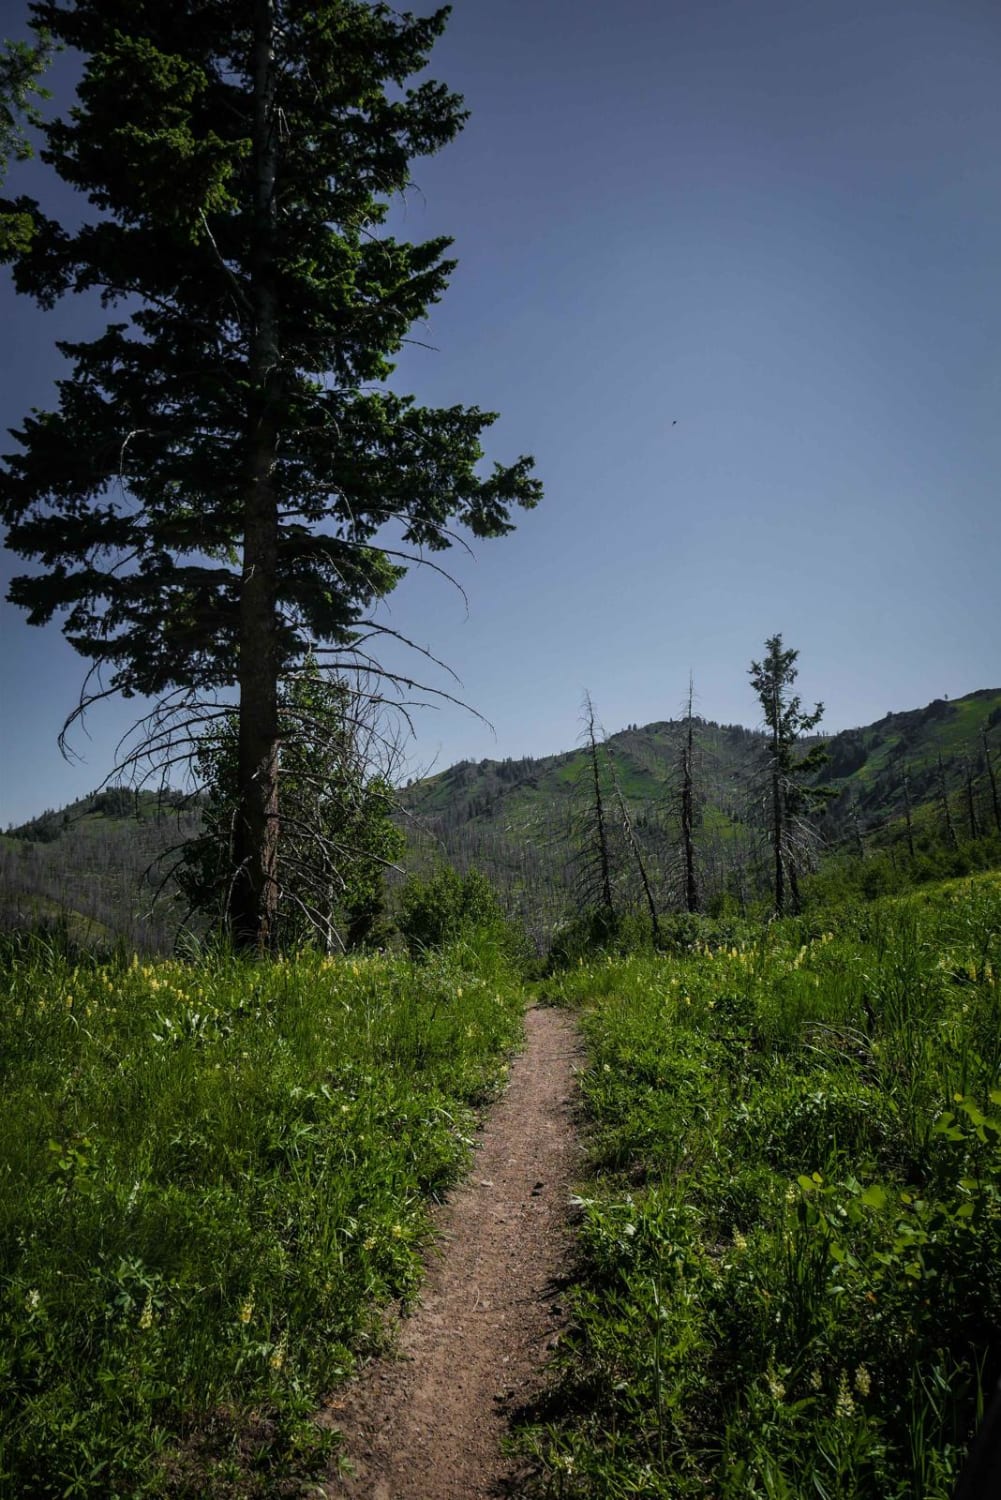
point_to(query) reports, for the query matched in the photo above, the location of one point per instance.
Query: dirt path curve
(428, 1425)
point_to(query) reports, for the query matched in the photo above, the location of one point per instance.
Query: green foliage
(887, 872)
(147, 457)
(211, 1175)
(791, 1243)
(785, 718)
(792, 793)
(598, 931)
(445, 907)
(339, 836)
(228, 479)
(21, 66)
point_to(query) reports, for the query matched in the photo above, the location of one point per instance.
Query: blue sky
(730, 272)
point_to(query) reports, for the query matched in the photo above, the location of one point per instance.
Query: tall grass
(790, 1278)
(211, 1176)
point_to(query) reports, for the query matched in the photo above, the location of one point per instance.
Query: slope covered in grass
(211, 1176)
(790, 1272)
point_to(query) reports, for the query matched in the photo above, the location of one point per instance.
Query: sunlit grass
(211, 1176)
(790, 1277)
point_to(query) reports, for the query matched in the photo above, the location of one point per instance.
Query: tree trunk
(778, 829)
(797, 904)
(254, 900)
(950, 827)
(992, 776)
(688, 811)
(907, 813)
(601, 831)
(634, 848)
(971, 806)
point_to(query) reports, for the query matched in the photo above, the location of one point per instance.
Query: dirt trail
(428, 1424)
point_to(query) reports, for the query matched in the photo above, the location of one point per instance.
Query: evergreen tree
(226, 477)
(789, 798)
(21, 66)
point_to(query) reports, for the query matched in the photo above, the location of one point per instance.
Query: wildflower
(247, 1309)
(844, 1406)
(32, 1300)
(863, 1381)
(396, 1231)
(739, 1241)
(369, 1244)
(815, 1380)
(146, 1316)
(776, 1389)
(277, 1359)
(458, 992)
(792, 1193)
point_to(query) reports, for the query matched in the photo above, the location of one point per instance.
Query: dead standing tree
(991, 776)
(594, 841)
(688, 805)
(632, 844)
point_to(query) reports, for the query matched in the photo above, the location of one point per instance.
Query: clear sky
(731, 272)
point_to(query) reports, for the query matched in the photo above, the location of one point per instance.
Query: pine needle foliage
(227, 481)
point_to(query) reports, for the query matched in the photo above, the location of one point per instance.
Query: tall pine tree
(219, 488)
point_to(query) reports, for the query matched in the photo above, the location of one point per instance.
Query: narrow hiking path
(429, 1423)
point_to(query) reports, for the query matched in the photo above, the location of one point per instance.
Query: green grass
(211, 1177)
(790, 1247)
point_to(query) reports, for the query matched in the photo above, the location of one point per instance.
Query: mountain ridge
(520, 819)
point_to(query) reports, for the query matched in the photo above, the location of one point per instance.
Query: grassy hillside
(95, 866)
(520, 820)
(96, 863)
(789, 1274)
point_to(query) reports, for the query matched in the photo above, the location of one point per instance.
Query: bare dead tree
(599, 854)
(908, 820)
(943, 794)
(991, 776)
(971, 806)
(632, 844)
(688, 804)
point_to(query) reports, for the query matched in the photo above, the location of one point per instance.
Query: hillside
(97, 865)
(98, 862)
(519, 820)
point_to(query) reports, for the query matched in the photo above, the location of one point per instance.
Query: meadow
(216, 1178)
(213, 1176)
(789, 1266)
